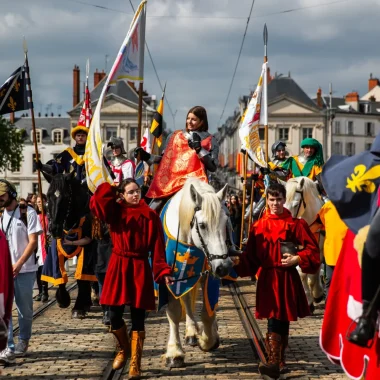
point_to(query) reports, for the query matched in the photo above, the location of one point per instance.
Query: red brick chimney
(372, 82)
(12, 117)
(76, 85)
(132, 84)
(319, 98)
(96, 77)
(352, 98)
(102, 75)
(269, 78)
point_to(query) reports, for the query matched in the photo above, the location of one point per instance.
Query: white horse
(303, 201)
(195, 215)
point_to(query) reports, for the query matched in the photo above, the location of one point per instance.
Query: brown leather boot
(284, 345)
(137, 344)
(124, 346)
(272, 367)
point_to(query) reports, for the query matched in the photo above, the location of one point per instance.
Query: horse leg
(316, 287)
(192, 330)
(306, 288)
(62, 296)
(209, 340)
(175, 356)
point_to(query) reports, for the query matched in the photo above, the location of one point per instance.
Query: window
(133, 133)
(111, 132)
(350, 149)
(17, 186)
(35, 188)
(350, 127)
(337, 128)
(262, 133)
(34, 160)
(57, 137)
(284, 134)
(38, 137)
(368, 146)
(337, 147)
(307, 133)
(369, 129)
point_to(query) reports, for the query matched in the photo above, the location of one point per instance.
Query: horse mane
(309, 188)
(210, 206)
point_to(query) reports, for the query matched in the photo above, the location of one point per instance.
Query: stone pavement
(65, 349)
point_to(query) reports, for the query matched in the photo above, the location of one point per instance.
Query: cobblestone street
(62, 348)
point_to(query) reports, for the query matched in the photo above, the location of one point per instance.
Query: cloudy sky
(195, 45)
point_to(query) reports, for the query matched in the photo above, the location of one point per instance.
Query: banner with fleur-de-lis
(13, 94)
(352, 184)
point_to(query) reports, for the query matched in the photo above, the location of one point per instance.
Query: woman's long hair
(201, 113)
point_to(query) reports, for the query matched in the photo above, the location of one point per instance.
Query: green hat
(318, 155)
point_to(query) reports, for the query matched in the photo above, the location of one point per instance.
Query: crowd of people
(127, 243)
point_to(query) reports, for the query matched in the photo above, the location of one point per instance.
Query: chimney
(372, 82)
(96, 77)
(76, 85)
(132, 84)
(352, 98)
(102, 75)
(269, 78)
(319, 98)
(12, 117)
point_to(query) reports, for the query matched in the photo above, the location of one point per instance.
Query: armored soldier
(121, 166)
(278, 158)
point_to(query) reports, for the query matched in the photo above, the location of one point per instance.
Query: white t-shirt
(18, 235)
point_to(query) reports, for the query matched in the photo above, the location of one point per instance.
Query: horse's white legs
(174, 353)
(209, 340)
(316, 286)
(306, 288)
(192, 330)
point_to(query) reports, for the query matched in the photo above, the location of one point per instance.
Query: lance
(31, 108)
(265, 36)
(245, 164)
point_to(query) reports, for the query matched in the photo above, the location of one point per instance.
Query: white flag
(129, 64)
(145, 141)
(254, 116)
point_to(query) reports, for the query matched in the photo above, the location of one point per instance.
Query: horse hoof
(63, 298)
(212, 348)
(177, 362)
(191, 341)
(312, 308)
(319, 299)
(78, 314)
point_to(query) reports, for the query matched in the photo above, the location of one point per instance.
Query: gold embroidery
(17, 86)
(362, 179)
(12, 104)
(2, 92)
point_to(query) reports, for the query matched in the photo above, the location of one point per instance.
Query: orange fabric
(179, 163)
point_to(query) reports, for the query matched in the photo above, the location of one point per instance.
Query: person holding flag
(192, 152)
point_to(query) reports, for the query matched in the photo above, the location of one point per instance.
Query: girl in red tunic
(136, 232)
(280, 296)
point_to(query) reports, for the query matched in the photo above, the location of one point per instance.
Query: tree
(11, 145)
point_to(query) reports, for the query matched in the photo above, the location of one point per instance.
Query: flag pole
(265, 36)
(31, 108)
(253, 182)
(244, 191)
(139, 122)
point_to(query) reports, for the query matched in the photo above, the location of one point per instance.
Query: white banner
(254, 116)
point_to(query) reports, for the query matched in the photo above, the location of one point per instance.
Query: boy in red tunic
(280, 296)
(136, 232)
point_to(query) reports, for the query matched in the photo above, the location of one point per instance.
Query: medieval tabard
(122, 167)
(179, 163)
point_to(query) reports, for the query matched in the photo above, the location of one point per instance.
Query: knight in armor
(121, 166)
(307, 164)
(278, 158)
(192, 152)
(71, 159)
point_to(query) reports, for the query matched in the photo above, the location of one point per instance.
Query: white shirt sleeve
(127, 170)
(34, 225)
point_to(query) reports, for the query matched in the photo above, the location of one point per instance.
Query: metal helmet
(117, 142)
(276, 145)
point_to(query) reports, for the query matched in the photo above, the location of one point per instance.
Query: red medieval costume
(135, 232)
(280, 293)
(6, 290)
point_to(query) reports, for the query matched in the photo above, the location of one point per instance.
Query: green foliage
(11, 145)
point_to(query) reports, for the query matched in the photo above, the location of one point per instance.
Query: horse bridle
(301, 202)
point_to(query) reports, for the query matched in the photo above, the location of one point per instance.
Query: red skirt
(280, 295)
(128, 281)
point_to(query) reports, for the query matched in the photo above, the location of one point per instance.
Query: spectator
(31, 200)
(235, 215)
(22, 242)
(43, 294)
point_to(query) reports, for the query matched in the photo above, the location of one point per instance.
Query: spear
(30, 103)
(265, 36)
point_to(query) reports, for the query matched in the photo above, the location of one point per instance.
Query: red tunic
(136, 232)
(279, 291)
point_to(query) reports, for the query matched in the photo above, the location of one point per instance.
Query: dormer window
(57, 137)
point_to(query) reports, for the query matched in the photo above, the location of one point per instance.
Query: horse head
(60, 207)
(204, 223)
(302, 198)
